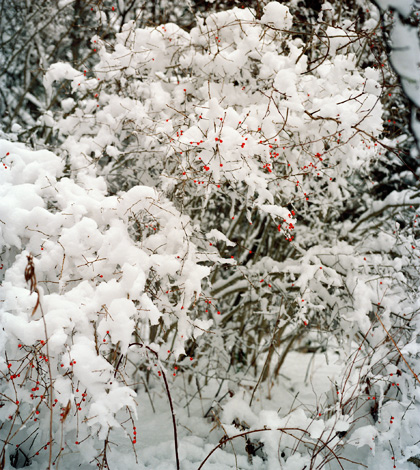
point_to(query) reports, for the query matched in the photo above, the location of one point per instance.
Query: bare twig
(167, 392)
(31, 278)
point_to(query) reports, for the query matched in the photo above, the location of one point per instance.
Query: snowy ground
(199, 436)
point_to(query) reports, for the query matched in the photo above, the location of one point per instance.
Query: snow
(91, 240)
(208, 250)
(402, 6)
(155, 448)
(405, 53)
(151, 312)
(61, 70)
(278, 15)
(215, 234)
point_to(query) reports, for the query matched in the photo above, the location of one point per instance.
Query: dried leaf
(31, 278)
(66, 412)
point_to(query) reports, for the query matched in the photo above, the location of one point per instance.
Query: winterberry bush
(209, 209)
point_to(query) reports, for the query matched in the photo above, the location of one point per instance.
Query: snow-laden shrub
(249, 138)
(100, 289)
(262, 151)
